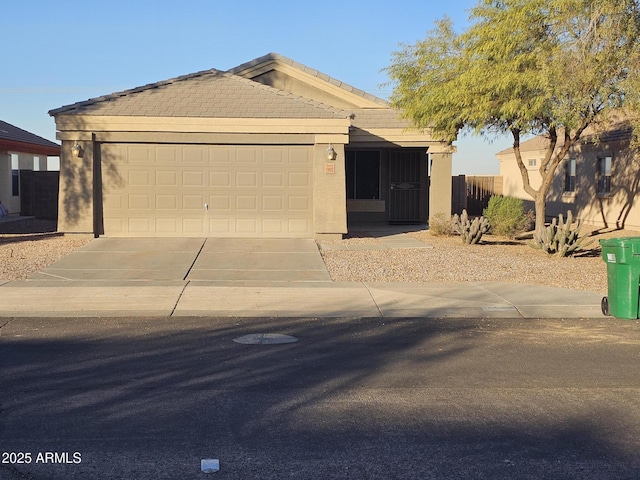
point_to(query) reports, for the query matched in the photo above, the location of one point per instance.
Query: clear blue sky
(59, 52)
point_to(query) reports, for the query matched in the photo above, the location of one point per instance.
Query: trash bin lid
(625, 242)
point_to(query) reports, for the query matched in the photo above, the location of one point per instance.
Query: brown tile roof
(211, 94)
(16, 139)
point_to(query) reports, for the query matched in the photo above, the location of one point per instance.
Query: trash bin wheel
(604, 304)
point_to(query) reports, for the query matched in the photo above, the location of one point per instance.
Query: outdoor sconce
(77, 150)
(331, 153)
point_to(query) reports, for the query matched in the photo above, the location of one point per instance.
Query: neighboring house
(20, 150)
(599, 180)
(270, 148)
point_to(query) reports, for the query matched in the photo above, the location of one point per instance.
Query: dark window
(570, 176)
(604, 175)
(15, 175)
(15, 183)
(363, 174)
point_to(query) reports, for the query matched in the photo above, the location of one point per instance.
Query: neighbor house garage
(270, 148)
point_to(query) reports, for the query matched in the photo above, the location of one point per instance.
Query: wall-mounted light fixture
(331, 153)
(77, 150)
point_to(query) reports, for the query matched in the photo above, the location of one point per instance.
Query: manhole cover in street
(265, 339)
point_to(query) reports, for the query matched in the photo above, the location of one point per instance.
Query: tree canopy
(551, 67)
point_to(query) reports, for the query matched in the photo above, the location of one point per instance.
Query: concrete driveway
(196, 259)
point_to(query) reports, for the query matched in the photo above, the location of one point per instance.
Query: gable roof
(247, 92)
(210, 93)
(615, 132)
(16, 139)
(275, 59)
(367, 111)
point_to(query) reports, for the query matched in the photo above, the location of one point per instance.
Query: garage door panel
(182, 190)
(166, 226)
(220, 155)
(166, 178)
(246, 202)
(247, 179)
(193, 226)
(220, 203)
(220, 179)
(139, 202)
(193, 202)
(167, 155)
(140, 225)
(193, 178)
(273, 203)
(166, 202)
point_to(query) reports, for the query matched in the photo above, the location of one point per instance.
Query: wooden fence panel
(473, 193)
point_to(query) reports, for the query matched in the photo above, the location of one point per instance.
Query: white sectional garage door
(210, 190)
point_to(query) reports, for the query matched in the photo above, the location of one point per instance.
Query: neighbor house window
(604, 175)
(15, 175)
(570, 176)
(533, 163)
(363, 174)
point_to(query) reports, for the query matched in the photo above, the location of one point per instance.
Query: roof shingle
(14, 137)
(211, 93)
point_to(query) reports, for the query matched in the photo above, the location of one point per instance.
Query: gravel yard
(27, 246)
(496, 259)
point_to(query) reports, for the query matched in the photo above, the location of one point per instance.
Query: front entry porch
(387, 186)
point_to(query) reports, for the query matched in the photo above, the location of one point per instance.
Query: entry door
(404, 186)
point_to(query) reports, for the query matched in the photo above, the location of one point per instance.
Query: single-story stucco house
(599, 180)
(20, 150)
(270, 148)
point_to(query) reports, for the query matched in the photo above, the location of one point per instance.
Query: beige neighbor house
(20, 150)
(270, 148)
(599, 181)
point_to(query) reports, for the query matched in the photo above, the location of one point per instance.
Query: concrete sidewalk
(257, 278)
(293, 299)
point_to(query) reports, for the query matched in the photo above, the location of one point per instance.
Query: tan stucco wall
(75, 202)
(329, 195)
(621, 209)
(5, 179)
(440, 188)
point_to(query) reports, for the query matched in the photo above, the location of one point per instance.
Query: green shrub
(440, 225)
(506, 216)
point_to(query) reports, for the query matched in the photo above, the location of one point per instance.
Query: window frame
(604, 174)
(351, 174)
(569, 182)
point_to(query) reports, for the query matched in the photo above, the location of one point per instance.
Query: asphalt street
(354, 398)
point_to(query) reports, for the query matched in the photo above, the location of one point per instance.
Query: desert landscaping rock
(27, 246)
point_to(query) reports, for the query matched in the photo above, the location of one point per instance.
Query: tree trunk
(541, 208)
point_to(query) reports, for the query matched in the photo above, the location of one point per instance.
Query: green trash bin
(622, 256)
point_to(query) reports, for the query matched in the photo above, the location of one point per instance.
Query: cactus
(560, 238)
(470, 231)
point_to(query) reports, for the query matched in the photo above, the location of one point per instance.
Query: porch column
(329, 194)
(440, 187)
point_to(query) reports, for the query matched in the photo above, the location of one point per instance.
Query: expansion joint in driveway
(373, 299)
(178, 299)
(4, 325)
(186, 275)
